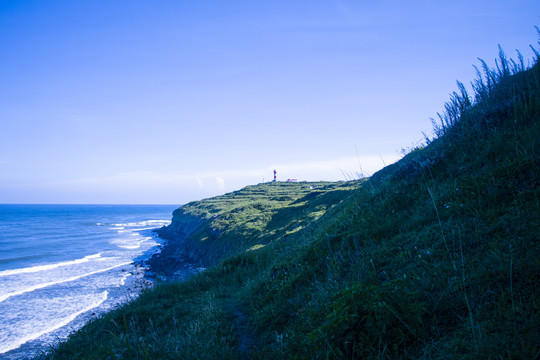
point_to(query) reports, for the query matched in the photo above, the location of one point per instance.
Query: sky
(166, 102)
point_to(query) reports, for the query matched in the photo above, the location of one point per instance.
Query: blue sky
(173, 101)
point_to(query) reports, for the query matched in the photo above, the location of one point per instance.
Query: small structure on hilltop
(275, 176)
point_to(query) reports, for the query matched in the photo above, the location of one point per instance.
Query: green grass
(434, 257)
(205, 231)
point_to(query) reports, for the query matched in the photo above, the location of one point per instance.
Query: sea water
(62, 264)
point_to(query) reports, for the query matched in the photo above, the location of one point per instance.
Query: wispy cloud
(161, 186)
(331, 169)
(220, 183)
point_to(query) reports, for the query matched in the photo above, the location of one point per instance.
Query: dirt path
(246, 342)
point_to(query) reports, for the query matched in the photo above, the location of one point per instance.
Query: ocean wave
(51, 283)
(123, 281)
(146, 223)
(156, 222)
(5, 347)
(38, 268)
(129, 247)
(20, 258)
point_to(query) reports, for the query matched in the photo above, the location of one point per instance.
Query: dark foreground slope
(436, 256)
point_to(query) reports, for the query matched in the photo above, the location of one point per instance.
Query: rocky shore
(168, 263)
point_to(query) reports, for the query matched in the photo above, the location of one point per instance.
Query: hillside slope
(203, 232)
(434, 257)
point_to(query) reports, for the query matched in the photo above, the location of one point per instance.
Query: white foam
(108, 258)
(38, 268)
(129, 247)
(123, 281)
(146, 223)
(15, 344)
(51, 283)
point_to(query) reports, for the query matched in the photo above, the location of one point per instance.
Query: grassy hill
(203, 232)
(434, 257)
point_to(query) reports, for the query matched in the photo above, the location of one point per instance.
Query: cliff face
(177, 258)
(183, 225)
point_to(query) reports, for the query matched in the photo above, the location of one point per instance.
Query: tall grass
(493, 99)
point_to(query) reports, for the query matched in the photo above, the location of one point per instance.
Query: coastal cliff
(434, 257)
(204, 232)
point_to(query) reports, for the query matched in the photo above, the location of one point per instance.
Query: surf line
(44, 285)
(65, 321)
(50, 266)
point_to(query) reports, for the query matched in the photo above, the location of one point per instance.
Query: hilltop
(435, 256)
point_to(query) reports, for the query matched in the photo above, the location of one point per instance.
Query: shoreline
(133, 284)
(166, 265)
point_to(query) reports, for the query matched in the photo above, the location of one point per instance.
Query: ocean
(62, 264)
